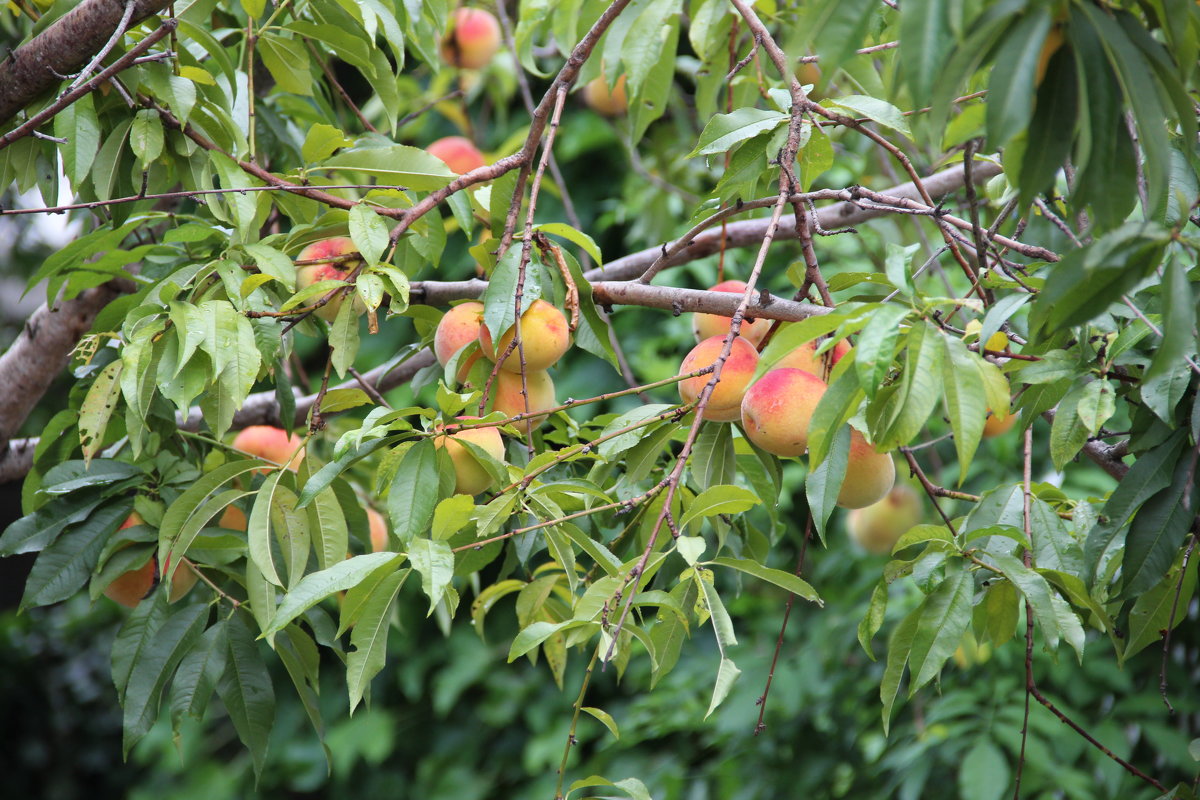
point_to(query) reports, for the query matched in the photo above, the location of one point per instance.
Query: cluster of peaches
(776, 409)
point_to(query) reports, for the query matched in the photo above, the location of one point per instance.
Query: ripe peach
(271, 444)
(544, 335)
(997, 425)
(876, 528)
(473, 39)
(870, 474)
(506, 396)
(472, 478)
(232, 518)
(706, 325)
(777, 409)
(131, 587)
(378, 528)
(309, 274)
(602, 100)
(725, 402)
(458, 328)
(805, 357)
(458, 152)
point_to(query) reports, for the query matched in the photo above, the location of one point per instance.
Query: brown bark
(64, 47)
(42, 350)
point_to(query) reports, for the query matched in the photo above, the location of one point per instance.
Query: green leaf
(146, 137)
(369, 638)
(965, 399)
(435, 561)
(691, 548)
(876, 347)
(835, 408)
(343, 337)
(900, 414)
(316, 586)
(136, 634)
(1096, 405)
(1036, 591)
(785, 580)
(258, 528)
(899, 648)
(872, 621)
(1152, 612)
(876, 110)
(368, 231)
(327, 525)
(571, 235)
(287, 61)
(926, 42)
(322, 141)
(1158, 531)
(394, 165)
(838, 29)
(613, 447)
(1011, 89)
(631, 786)
(983, 774)
(198, 673)
(247, 692)
(727, 674)
(605, 719)
(414, 491)
(1068, 434)
(64, 566)
(824, 483)
(1088, 279)
(153, 665)
(724, 131)
(944, 616)
(719, 500)
(1152, 472)
(97, 409)
(77, 123)
(534, 634)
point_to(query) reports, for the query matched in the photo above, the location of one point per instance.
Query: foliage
(628, 541)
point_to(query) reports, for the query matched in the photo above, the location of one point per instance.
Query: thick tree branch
(42, 350)
(64, 47)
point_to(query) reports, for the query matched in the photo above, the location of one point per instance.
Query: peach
(707, 325)
(232, 518)
(544, 336)
(506, 396)
(471, 477)
(805, 357)
(458, 152)
(602, 100)
(458, 327)
(876, 528)
(725, 402)
(870, 474)
(997, 425)
(309, 274)
(778, 408)
(131, 587)
(473, 39)
(270, 444)
(378, 528)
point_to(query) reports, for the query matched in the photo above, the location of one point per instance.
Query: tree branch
(64, 47)
(42, 350)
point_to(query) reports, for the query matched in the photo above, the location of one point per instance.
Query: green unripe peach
(876, 528)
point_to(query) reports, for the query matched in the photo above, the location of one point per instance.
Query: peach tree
(942, 223)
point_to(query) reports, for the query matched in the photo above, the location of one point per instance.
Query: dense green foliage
(612, 603)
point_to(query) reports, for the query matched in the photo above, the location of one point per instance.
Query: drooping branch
(41, 352)
(64, 47)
